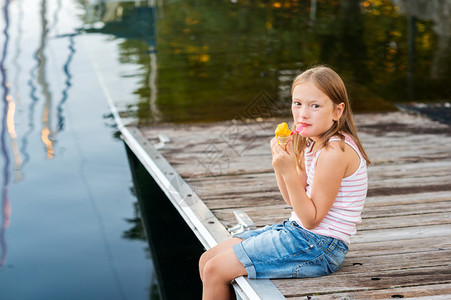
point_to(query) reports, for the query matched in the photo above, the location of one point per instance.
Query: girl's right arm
(281, 182)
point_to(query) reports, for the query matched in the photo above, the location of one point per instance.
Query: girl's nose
(303, 113)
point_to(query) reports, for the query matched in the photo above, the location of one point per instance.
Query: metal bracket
(163, 139)
(245, 223)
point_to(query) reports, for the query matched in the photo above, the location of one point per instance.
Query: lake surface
(71, 222)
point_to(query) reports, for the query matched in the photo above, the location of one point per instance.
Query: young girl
(322, 174)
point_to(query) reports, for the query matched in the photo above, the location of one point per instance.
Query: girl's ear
(339, 111)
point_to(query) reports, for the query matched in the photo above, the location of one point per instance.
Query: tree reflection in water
(222, 55)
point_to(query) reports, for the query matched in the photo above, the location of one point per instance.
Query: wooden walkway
(403, 246)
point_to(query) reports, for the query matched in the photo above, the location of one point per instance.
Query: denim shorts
(288, 251)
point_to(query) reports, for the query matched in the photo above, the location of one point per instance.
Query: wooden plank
(426, 292)
(412, 181)
(260, 186)
(260, 215)
(410, 204)
(395, 210)
(407, 199)
(405, 246)
(410, 221)
(236, 184)
(339, 283)
(260, 148)
(265, 216)
(264, 200)
(395, 234)
(395, 261)
(225, 162)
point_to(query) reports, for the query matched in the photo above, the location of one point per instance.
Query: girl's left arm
(330, 169)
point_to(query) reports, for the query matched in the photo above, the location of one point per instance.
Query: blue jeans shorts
(288, 251)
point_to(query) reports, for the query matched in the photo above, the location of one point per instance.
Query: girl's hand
(283, 162)
(273, 143)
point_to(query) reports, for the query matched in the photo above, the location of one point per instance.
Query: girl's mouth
(300, 127)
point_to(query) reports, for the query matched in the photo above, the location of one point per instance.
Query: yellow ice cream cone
(283, 135)
(283, 140)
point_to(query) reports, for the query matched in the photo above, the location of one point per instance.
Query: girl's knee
(223, 267)
(202, 261)
(210, 254)
(211, 271)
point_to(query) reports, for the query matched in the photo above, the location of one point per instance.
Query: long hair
(331, 84)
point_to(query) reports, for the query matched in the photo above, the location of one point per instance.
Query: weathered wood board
(403, 245)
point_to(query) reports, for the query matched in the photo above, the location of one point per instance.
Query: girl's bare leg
(218, 267)
(210, 253)
(218, 272)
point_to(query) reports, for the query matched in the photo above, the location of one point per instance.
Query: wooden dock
(403, 246)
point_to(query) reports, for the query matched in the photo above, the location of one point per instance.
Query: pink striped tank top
(340, 222)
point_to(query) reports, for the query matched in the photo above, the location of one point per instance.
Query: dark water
(175, 248)
(72, 208)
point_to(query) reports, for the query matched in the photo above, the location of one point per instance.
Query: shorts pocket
(312, 268)
(302, 235)
(342, 248)
(300, 244)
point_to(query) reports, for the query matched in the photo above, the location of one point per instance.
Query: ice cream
(283, 134)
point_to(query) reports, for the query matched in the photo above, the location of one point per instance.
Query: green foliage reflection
(214, 58)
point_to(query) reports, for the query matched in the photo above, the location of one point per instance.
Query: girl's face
(313, 110)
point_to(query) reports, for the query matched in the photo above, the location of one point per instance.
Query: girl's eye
(297, 103)
(315, 105)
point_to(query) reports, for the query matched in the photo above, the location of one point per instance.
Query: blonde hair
(331, 84)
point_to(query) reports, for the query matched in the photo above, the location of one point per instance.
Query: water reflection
(135, 23)
(215, 58)
(438, 13)
(38, 77)
(33, 95)
(7, 100)
(42, 81)
(16, 87)
(67, 85)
